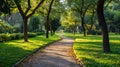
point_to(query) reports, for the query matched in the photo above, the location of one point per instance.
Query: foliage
(13, 51)
(17, 28)
(70, 21)
(5, 27)
(4, 6)
(112, 15)
(89, 50)
(112, 18)
(14, 36)
(55, 24)
(117, 20)
(40, 33)
(34, 24)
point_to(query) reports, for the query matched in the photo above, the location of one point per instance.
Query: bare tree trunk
(47, 28)
(48, 22)
(25, 29)
(102, 22)
(21, 29)
(83, 26)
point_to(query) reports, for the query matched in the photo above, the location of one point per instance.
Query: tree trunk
(102, 23)
(25, 30)
(83, 26)
(21, 29)
(51, 32)
(48, 23)
(47, 29)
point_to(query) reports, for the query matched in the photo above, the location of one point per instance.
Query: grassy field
(89, 50)
(13, 51)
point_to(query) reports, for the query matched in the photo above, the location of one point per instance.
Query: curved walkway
(58, 54)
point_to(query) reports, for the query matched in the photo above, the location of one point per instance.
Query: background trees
(76, 16)
(34, 24)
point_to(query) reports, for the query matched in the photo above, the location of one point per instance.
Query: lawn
(89, 50)
(13, 51)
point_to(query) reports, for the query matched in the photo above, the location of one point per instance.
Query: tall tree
(80, 6)
(25, 14)
(102, 23)
(47, 20)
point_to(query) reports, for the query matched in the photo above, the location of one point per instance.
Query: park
(59, 33)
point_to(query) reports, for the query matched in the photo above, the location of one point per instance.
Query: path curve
(57, 54)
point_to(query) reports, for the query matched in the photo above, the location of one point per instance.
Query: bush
(95, 32)
(5, 27)
(40, 33)
(32, 34)
(4, 37)
(8, 37)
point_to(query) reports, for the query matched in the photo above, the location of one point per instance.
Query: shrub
(40, 33)
(32, 34)
(5, 27)
(14, 36)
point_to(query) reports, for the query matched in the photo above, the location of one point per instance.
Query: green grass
(13, 51)
(89, 50)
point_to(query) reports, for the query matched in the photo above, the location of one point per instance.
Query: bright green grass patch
(89, 50)
(13, 51)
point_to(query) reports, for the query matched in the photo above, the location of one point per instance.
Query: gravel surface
(58, 54)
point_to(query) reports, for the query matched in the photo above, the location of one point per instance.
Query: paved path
(57, 54)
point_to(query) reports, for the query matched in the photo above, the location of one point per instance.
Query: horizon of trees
(77, 16)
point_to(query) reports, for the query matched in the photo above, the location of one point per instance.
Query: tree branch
(77, 8)
(29, 6)
(108, 3)
(35, 8)
(19, 8)
(86, 10)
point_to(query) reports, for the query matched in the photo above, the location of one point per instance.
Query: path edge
(78, 61)
(34, 51)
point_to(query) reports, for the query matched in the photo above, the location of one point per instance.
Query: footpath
(58, 54)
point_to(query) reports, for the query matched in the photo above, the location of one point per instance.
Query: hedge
(8, 37)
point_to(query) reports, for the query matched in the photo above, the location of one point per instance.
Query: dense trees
(81, 7)
(55, 24)
(73, 15)
(34, 24)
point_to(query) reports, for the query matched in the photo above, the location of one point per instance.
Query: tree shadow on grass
(10, 54)
(94, 50)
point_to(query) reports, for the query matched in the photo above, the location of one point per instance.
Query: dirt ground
(58, 54)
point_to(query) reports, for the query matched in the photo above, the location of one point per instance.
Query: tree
(102, 23)
(69, 22)
(25, 14)
(81, 6)
(55, 24)
(48, 21)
